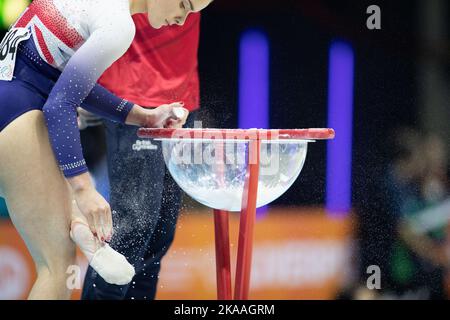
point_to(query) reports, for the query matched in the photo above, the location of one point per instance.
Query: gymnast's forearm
(104, 103)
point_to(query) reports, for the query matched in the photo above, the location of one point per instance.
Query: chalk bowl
(211, 165)
(214, 172)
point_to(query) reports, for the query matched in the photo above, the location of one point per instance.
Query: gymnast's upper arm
(106, 44)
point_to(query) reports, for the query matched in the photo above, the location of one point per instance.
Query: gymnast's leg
(38, 199)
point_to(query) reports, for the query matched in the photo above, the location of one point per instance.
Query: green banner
(10, 10)
(2, 15)
(3, 209)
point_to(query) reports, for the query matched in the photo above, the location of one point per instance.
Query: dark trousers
(145, 202)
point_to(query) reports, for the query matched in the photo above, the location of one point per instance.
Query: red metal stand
(223, 264)
(222, 234)
(247, 223)
(246, 227)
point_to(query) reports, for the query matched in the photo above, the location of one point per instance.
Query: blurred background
(377, 195)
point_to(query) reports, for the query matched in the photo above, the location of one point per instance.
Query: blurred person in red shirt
(160, 67)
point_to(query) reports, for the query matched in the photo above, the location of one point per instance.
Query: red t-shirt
(161, 66)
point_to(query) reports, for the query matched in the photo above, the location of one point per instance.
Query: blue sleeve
(102, 102)
(78, 79)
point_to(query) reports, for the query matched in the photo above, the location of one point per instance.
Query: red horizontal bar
(238, 134)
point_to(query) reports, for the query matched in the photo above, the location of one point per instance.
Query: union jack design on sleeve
(55, 39)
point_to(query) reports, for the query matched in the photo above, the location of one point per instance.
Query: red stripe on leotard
(49, 15)
(56, 23)
(40, 38)
(24, 19)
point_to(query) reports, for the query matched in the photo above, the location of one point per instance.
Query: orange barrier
(17, 272)
(298, 254)
(16, 266)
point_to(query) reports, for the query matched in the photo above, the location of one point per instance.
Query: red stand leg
(247, 222)
(223, 265)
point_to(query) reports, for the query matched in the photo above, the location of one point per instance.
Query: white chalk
(179, 112)
(112, 266)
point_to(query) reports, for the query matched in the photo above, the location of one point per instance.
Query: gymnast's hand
(169, 116)
(172, 115)
(93, 206)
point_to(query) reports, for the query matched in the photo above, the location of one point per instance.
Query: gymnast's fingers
(98, 224)
(107, 223)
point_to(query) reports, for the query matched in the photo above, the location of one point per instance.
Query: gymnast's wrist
(138, 116)
(81, 182)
